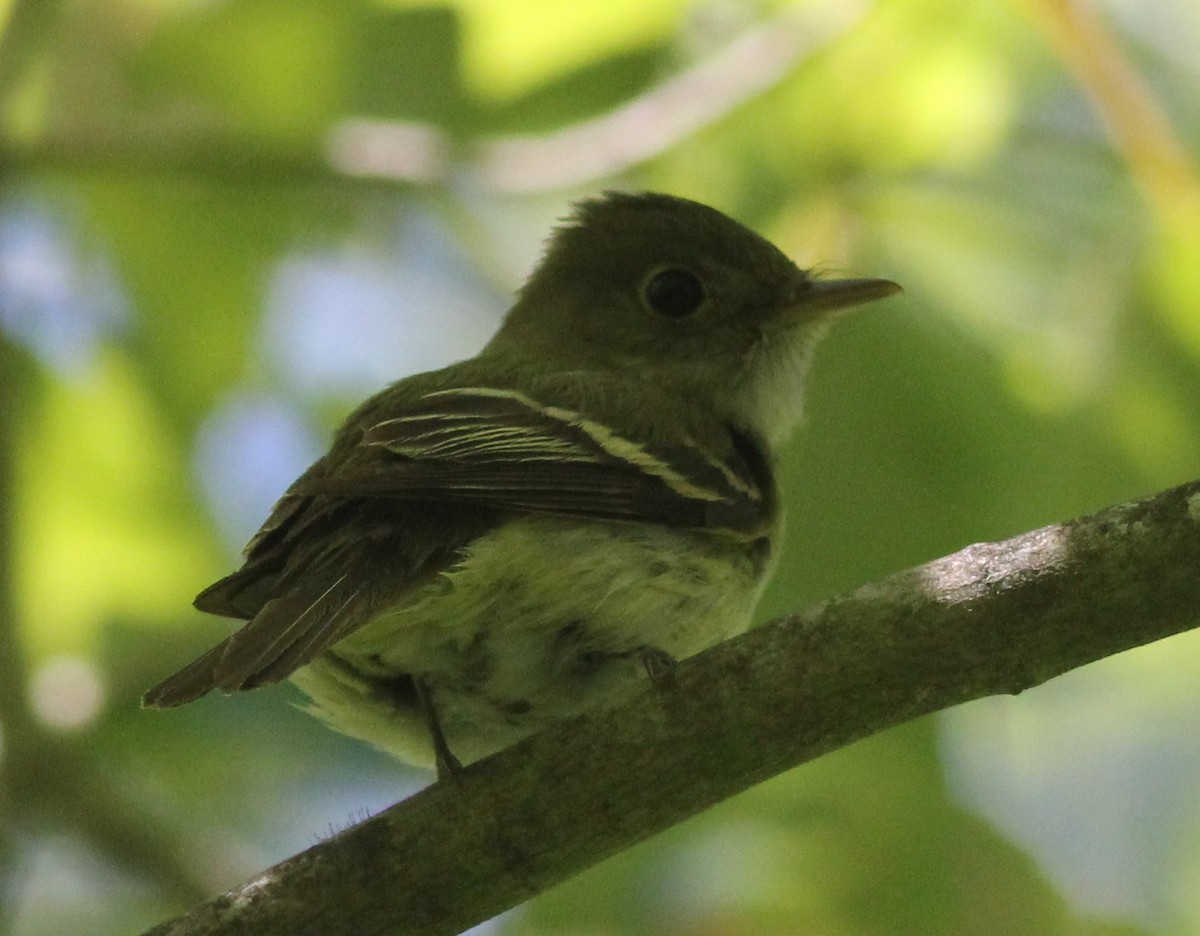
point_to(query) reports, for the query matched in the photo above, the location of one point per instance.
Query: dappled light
(224, 224)
(66, 692)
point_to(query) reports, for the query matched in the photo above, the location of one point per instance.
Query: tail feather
(192, 682)
(288, 632)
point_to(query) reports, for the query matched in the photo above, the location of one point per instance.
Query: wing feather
(501, 448)
(300, 599)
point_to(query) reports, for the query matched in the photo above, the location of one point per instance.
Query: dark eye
(674, 293)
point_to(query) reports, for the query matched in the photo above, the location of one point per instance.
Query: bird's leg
(448, 765)
(660, 665)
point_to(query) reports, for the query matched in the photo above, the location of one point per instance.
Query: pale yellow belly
(543, 618)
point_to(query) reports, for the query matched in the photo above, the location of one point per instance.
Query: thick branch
(993, 618)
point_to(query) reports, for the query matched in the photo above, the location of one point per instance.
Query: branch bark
(993, 618)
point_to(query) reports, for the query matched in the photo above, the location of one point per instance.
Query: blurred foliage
(222, 222)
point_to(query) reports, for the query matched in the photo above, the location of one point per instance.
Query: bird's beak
(815, 297)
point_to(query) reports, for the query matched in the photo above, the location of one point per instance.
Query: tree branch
(1125, 102)
(993, 618)
(377, 153)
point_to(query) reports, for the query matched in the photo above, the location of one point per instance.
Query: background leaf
(222, 224)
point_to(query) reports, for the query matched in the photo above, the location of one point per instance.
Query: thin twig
(1137, 124)
(374, 153)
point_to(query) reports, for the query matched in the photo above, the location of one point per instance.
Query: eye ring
(673, 292)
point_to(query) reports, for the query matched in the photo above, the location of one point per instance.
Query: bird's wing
(502, 449)
(357, 533)
(330, 567)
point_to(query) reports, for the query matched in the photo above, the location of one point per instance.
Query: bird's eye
(674, 293)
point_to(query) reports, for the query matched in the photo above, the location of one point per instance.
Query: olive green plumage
(503, 542)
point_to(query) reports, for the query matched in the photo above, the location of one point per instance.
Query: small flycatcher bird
(495, 545)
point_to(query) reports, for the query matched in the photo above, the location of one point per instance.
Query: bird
(517, 537)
